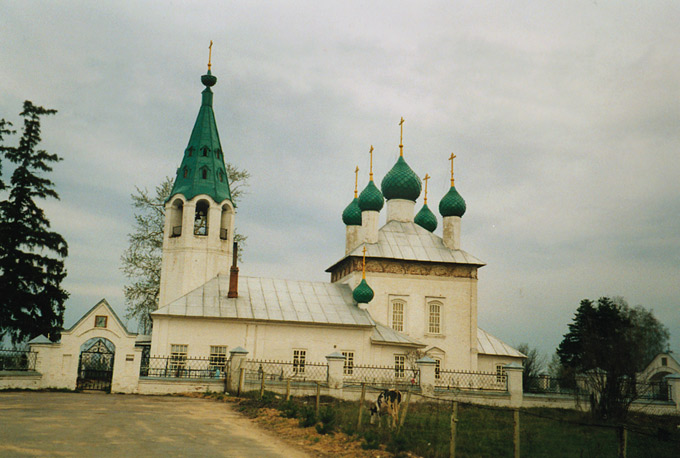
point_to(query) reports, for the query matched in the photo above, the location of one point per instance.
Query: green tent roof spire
(202, 170)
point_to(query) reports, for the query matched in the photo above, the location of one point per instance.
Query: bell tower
(199, 214)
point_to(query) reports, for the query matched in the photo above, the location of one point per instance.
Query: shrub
(308, 417)
(328, 421)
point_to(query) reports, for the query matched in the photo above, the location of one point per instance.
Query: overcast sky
(564, 116)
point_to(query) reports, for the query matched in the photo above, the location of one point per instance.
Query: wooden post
(515, 438)
(454, 420)
(361, 404)
(241, 380)
(622, 434)
(288, 390)
(262, 387)
(318, 398)
(402, 417)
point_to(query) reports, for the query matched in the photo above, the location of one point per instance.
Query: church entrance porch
(95, 366)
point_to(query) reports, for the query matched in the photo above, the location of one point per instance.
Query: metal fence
(654, 391)
(544, 384)
(17, 360)
(283, 370)
(384, 376)
(464, 380)
(178, 367)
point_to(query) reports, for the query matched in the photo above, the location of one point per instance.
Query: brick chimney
(233, 274)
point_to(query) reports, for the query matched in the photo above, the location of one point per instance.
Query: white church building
(417, 291)
(398, 292)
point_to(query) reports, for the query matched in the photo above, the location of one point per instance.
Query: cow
(388, 402)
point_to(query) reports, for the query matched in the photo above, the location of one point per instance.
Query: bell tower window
(176, 218)
(201, 218)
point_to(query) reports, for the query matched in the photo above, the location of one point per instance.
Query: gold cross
(356, 181)
(363, 265)
(401, 137)
(370, 171)
(451, 158)
(427, 177)
(209, 54)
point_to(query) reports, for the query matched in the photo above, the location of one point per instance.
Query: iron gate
(95, 368)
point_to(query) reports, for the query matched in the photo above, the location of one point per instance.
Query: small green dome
(351, 216)
(426, 219)
(363, 293)
(452, 204)
(371, 198)
(401, 182)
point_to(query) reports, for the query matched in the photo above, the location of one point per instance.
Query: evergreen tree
(141, 261)
(31, 256)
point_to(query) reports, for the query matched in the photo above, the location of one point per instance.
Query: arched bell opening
(176, 213)
(225, 221)
(201, 218)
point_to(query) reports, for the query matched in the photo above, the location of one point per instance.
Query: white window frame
(398, 315)
(399, 366)
(218, 357)
(434, 319)
(348, 365)
(178, 356)
(501, 376)
(299, 360)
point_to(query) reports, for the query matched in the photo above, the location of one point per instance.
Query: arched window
(218, 153)
(185, 172)
(204, 173)
(191, 151)
(204, 150)
(398, 308)
(176, 212)
(435, 318)
(221, 176)
(225, 222)
(201, 218)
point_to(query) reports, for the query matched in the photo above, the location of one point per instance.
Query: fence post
(336, 364)
(426, 366)
(241, 380)
(402, 417)
(318, 398)
(514, 377)
(237, 359)
(673, 382)
(515, 436)
(454, 420)
(288, 390)
(262, 387)
(361, 404)
(622, 435)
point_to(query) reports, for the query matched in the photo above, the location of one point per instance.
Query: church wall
(262, 340)
(488, 363)
(458, 296)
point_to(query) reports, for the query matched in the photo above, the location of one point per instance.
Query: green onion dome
(426, 219)
(351, 216)
(363, 293)
(371, 198)
(401, 182)
(452, 204)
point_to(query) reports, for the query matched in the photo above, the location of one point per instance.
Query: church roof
(408, 241)
(202, 170)
(491, 345)
(385, 335)
(271, 299)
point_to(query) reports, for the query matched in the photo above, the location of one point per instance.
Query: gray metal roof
(490, 345)
(272, 300)
(383, 334)
(408, 241)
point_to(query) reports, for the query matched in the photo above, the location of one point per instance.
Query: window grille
(437, 369)
(398, 316)
(178, 356)
(435, 318)
(399, 366)
(218, 357)
(348, 368)
(299, 357)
